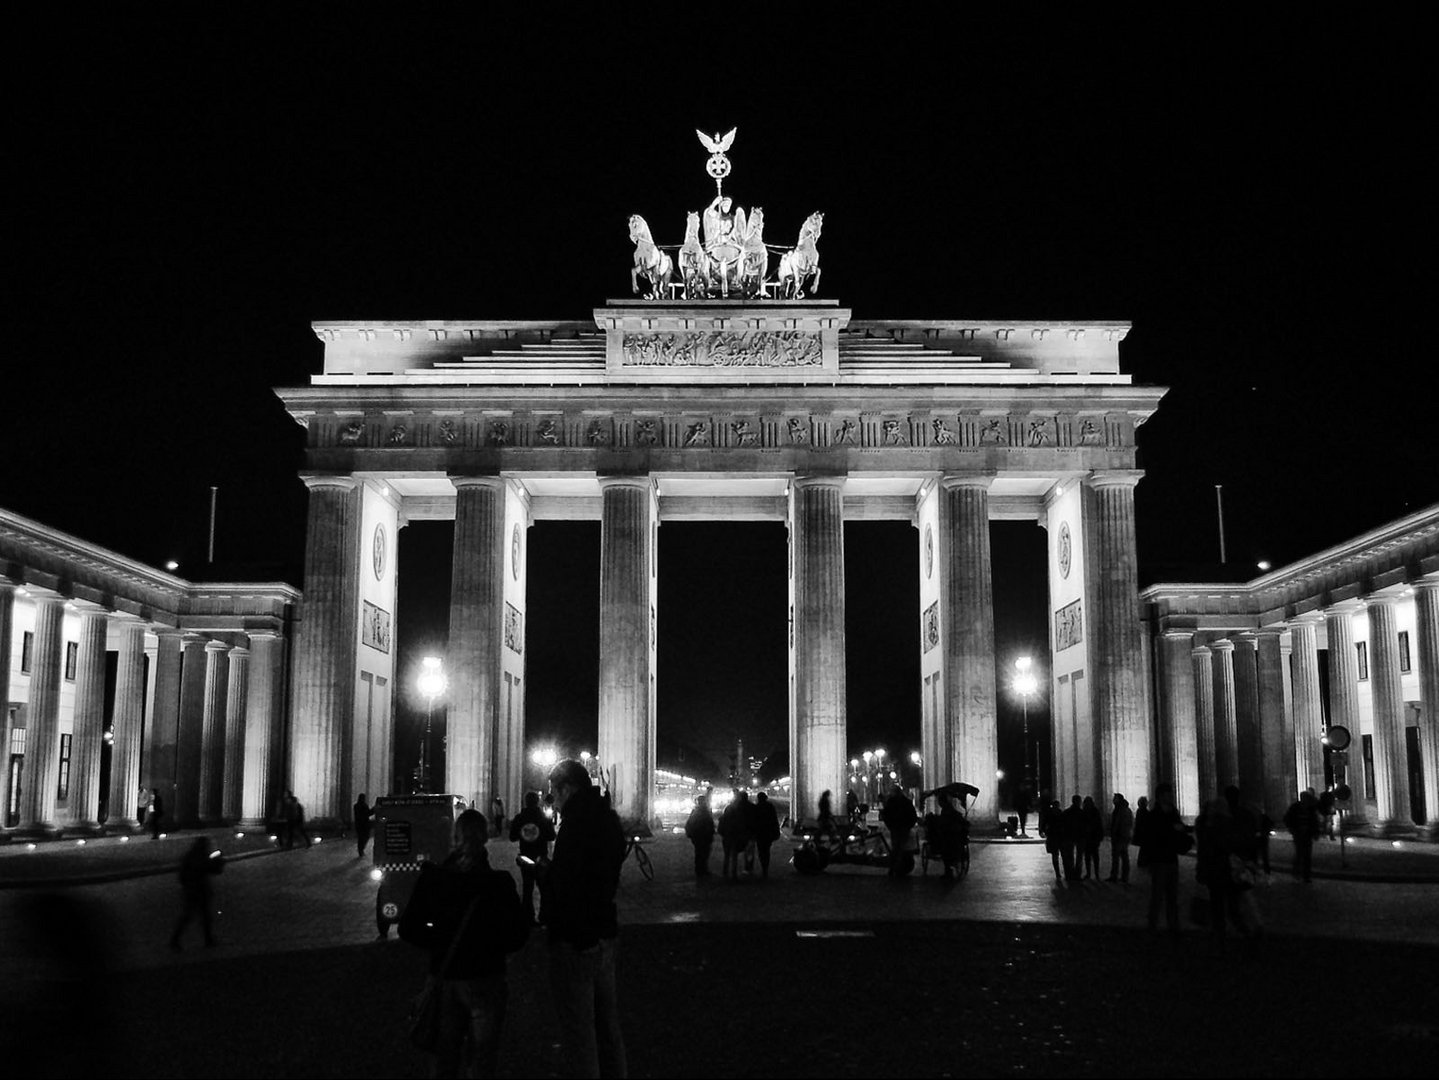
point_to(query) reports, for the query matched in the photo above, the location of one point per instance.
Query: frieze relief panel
(723, 348)
(930, 628)
(1068, 626)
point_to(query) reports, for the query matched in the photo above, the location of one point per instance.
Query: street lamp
(432, 684)
(1024, 685)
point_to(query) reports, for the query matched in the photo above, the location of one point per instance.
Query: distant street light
(432, 684)
(1024, 685)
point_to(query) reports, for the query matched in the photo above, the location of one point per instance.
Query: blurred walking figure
(898, 815)
(751, 831)
(953, 832)
(534, 831)
(1051, 827)
(155, 813)
(1121, 831)
(1302, 821)
(1162, 841)
(469, 917)
(363, 818)
(498, 821)
(825, 821)
(200, 862)
(293, 812)
(766, 830)
(700, 828)
(1093, 837)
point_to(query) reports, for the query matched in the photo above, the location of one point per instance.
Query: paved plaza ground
(842, 974)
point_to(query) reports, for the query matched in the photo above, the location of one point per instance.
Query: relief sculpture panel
(723, 348)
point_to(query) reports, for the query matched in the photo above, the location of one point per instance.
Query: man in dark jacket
(1163, 839)
(580, 885)
(1071, 837)
(534, 832)
(766, 830)
(900, 818)
(700, 828)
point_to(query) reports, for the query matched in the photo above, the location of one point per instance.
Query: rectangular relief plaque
(514, 629)
(930, 629)
(375, 627)
(1068, 626)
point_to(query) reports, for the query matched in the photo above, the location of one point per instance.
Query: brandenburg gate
(719, 396)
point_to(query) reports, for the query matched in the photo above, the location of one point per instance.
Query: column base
(1391, 830)
(85, 828)
(36, 832)
(129, 827)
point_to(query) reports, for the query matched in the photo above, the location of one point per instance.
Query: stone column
(162, 741)
(1391, 766)
(477, 622)
(263, 694)
(212, 732)
(232, 800)
(1276, 726)
(182, 802)
(1426, 661)
(1344, 705)
(627, 621)
(1177, 714)
(1226, 740)
(966, 604)
(1308, 715)
(42, 724)
(129, 724)
(1204, 724)
(1248, 737)
(7, 631)
(87, 726)
(1121, 695)
(324, 701)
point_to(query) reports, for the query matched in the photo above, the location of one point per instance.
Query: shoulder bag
(423, 1022)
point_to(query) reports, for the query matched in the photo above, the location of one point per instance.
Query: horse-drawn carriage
(733, 260)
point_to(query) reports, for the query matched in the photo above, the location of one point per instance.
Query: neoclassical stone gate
(712, 409)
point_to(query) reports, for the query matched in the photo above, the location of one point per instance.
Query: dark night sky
(186, 197)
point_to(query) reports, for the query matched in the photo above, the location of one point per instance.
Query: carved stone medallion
(378, 552)
(515, 553)
(928, 551)
(1065, 549)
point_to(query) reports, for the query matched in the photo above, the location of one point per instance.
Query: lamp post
(432, 684)
(1024, 685)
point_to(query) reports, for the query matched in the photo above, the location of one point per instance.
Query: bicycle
(642, 857)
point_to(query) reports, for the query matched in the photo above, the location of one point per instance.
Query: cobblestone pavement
(846, 973)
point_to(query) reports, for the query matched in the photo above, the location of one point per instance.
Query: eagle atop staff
(720, 143)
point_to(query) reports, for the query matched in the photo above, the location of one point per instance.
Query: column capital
(239, 652)
(809, 480)
(1222, 645)
(642, 481)
(1177, 635)
(1277, 630)
(494, 483)
(1375, 600)
(1114, 478)
(263, 635)
(213, 646)
(982, 481)
(1203, 650)
(1345, 607)
(1425, 585)
(329, 480)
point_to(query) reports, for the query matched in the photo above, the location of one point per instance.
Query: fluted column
(1180, 766)
(324, 700)
(1276, 726)
(263, 694)
(1204, 724)
(967, 638)
(87, 726)
(477, 620)
(627, 623)
(237, 686)
(1308, 717)
(1426, 660)
(1344, 705)
(162, 740)
(42, 725)
(1121, 694)
(128, 723)
(212, 732)
(7, 631)
(185, 807)
(1226, 741)
(1391, 766)
(1248, 739)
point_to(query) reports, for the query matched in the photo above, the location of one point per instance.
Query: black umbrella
(957, 790)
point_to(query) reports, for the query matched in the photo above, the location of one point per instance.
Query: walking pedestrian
(534, 831)
(899, 816)
(200, 863)
(583, 922)
(498, 821)
(1163, 840)
(953, 833)
(1121, 831)
(469, 918)
(700, 828)
(766, 830)
(1071, 837)
(155, 813)
(1051, 828)
(1302, 821)
(295, 821)
(363, 818)
(1093, 837)
(1022, 807)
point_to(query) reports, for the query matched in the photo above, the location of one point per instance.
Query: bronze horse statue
(650, 262)
(802, 263)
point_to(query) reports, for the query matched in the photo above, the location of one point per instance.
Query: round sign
(390, 910)
(1065, 549)
(1343, 793)
(379, 552)
(1338, 737)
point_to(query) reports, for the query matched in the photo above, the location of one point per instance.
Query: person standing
(1071, 836)
(1022, 807)
(1162, 841)
(700, 828)
(1051, 827)
(766, 830)
(751, 830)
(953, 833)
(1121, 831)
(295, 821)
(533, 829)
(201, 861)
(469, 918)
(898, 815)
(363, 817)
(156, 813)
(1141, 814)
(733, 834)
(498, 820)
(580, 884)
(1302, 821)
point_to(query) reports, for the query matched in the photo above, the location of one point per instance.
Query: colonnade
(1249, 708)
(203, 725)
